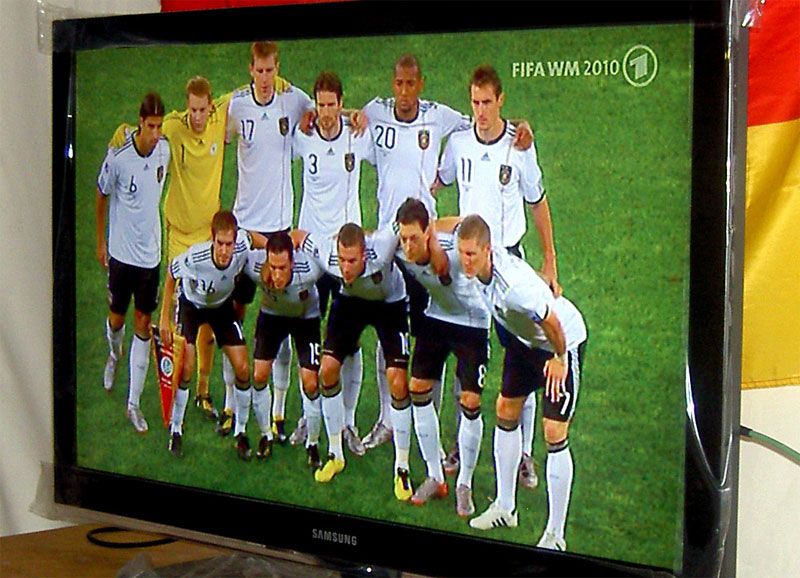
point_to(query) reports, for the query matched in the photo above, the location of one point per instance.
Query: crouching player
(372, 293)
(455, 321)
(544, 347)
(205, 276)
(289, 306)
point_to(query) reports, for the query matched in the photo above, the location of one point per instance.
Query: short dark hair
(223, 221)
(280, 242)
(474, 227)
(408, 61)
(413, 211)
(152, 105)
(486, 75)
(351, 235)
(327, 81)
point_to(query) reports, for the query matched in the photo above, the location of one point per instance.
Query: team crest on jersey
(213, 149)
(160, 173)
(283, 125)
(303, 295)
(505, 174)
(349, 162)
(445, 279)
(377, 278)
(424, 139)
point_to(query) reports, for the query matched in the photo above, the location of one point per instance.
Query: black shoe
(175, 444)
(243, 447)
(264, 448)
(312, 452)
(278, 432)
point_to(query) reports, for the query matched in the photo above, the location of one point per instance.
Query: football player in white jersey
(263, 121)
(496, 180)
(205, 277)
(289, 307)
(372, 292)
(129, 189)
(332, 154)
(456, 321)
(543, 351)
(408, 133)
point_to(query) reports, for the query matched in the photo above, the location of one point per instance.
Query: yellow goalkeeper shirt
(193, 196)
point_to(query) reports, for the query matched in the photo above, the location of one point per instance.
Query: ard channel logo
(639, 67)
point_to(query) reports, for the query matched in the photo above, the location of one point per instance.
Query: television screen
(619, 202)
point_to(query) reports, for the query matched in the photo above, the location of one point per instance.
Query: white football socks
(559, 472)
(139, 362)
(507, 455)
(426, 425)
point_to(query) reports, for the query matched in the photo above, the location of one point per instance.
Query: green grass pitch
(616, 163)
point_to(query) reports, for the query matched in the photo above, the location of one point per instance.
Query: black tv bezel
(715, 293)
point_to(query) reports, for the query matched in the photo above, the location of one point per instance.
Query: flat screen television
(633, 108)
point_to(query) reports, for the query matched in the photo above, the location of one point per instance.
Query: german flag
(771, 318)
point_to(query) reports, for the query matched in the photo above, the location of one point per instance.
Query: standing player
(289, 307)
(495, 181)
(129, 189)
(545, 339)
(197, 143)
(373, 293)
(332, 156)
(408, 133)
(456, 321)
(207, 274)
(263, 120)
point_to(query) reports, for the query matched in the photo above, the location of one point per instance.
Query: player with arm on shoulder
(496, 181)
(544, 344)
(456, 321)
(129, 189)
(204, 277)
(289, 307)
(372, 292)
(197, 143)
(408, 133)
(332, 155)
(263, 120)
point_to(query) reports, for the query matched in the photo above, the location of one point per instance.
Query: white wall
(769, 487)
(25, 244)
(769, 494)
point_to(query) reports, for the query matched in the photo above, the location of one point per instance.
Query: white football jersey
(300, 298)
(331, 174)
(406, 153)
(264, 196)
(454, 297)
(134, 183)
(493, 180)
(201, 281)
(519, 300)
(381, 279)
